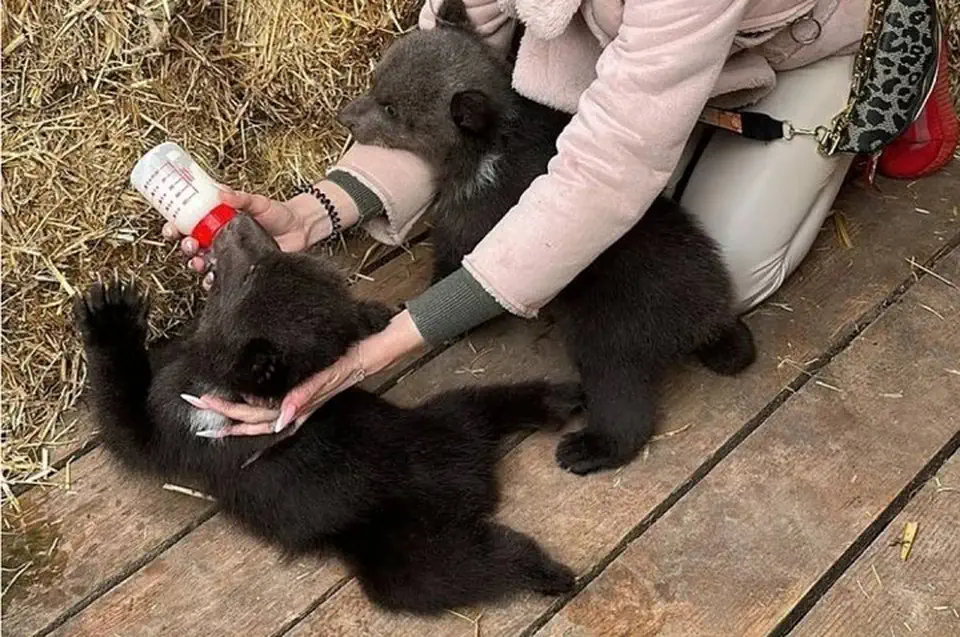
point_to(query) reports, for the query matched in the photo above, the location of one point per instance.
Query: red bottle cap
(208, 227)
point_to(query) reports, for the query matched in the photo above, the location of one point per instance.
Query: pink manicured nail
(194, 401)
(286, 415)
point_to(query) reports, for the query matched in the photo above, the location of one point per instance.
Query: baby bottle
(175, 185)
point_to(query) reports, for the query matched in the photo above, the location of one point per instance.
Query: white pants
(764, 202)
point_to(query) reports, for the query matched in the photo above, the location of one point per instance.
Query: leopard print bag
(893, 76)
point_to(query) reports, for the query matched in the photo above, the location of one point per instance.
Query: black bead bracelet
(336, 227)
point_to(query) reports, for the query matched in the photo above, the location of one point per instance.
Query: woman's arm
(613, 159)
(367, 185)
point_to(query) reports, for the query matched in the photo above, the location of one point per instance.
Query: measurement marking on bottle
(175, 182)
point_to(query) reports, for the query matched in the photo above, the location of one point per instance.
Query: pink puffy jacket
(637, 73)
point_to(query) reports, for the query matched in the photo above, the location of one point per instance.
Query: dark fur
(404, 496)
(657, 295)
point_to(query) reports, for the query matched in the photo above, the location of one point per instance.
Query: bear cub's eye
(390, 110)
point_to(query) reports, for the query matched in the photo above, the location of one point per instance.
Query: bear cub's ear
(453, 13)
(472, 112)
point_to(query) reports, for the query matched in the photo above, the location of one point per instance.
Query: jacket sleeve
(617, 153)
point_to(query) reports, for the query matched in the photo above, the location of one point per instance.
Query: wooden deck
(770, 504)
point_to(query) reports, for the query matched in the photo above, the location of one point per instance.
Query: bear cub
(404, 496)
(659, 294)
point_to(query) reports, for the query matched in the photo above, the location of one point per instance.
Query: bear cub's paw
(730, 352)
(583, 452)
(112, 312)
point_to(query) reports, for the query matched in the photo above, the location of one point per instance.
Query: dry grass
(250, 87)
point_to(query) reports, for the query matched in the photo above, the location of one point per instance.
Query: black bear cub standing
(404, 496)
(657, 295)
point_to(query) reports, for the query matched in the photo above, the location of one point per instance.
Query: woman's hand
(295, 225)
(371, 355)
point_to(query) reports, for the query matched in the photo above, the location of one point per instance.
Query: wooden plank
(583, 520)
(358, 250)
(212, 584)
(109, 521)
(81, 538)
(736, 554)
(402, 278)
(881, 594)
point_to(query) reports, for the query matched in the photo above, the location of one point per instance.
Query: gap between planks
(865, 539)
(803, 377)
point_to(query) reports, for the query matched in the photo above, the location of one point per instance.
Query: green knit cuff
(451, 307)
(368, 203)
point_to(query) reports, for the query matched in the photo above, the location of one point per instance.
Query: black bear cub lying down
(404, 496)
(656, 296)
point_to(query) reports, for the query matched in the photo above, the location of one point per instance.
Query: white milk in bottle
(175, 185)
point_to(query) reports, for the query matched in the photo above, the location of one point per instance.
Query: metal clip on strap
(762, 127)
(790, 131)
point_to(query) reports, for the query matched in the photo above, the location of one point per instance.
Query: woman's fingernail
(210, 433)
(286, 415)
(194, 401)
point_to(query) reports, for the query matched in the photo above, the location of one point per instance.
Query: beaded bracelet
(336, 227)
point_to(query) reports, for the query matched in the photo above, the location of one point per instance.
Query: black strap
(698, 151)
(751, 125)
